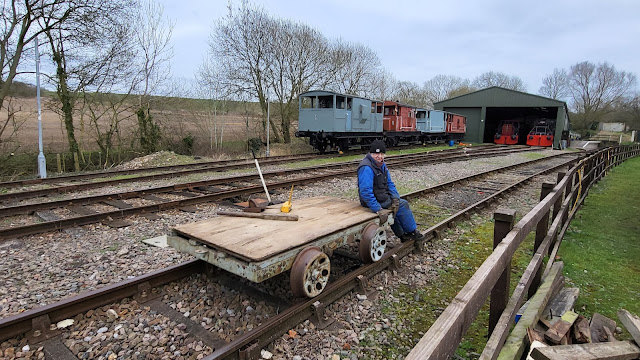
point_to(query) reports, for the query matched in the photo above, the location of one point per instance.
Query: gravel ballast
(42, 269)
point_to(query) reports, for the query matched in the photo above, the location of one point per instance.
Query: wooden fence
(559, 202)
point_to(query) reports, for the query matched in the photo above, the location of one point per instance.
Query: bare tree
(22, 22)
(297, 54)
(492, 78)
(595, 89)
(632, 109)
(408, 92)
(353, 68)
(152, 36)
(441, 87)
(10, 126)
(87, 49)
(556, 85)
(239, 48)
(210, 87)
(383, 85)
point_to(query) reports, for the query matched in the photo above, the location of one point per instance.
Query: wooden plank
(282, 217)
(631, 322)
(257, 240)
(561, 303)
(515, 344)
(581, 330)
(561, 327)
(598, 325)
(620, 350)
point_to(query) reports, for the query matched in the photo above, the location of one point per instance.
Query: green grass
(602, 247)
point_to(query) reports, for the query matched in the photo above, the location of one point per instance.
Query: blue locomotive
(334, 121)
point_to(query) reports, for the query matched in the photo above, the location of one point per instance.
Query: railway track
(170, 171)
(138, 295)
(38, 215)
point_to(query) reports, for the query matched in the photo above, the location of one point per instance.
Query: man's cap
(377, 146)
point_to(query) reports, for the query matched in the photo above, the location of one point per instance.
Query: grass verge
(602, 246)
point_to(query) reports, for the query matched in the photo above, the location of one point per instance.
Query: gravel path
(42, 269)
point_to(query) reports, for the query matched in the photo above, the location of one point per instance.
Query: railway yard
(72, 249)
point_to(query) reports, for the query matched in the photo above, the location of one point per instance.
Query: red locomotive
(508, 132)
(540, 135)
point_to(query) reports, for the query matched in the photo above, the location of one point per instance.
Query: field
(177, 118)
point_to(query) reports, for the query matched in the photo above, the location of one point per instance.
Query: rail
(559, 201)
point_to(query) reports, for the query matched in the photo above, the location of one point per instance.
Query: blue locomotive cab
(337, 121)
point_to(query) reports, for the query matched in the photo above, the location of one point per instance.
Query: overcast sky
(419, 39)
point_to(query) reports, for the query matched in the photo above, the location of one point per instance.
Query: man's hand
(383, 215)
(395, 205)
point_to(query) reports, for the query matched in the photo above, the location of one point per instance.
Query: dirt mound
(161, 158)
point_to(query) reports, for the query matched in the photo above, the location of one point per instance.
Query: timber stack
(548, 328)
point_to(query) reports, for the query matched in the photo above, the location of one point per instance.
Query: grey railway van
(333, 112)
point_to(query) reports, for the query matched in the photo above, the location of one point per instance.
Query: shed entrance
(527, 116)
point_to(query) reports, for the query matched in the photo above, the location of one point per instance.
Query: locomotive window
(325, 102)
(340, 102)
(349, 103)
(307, 102)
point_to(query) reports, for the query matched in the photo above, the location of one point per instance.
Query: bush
(187, 145)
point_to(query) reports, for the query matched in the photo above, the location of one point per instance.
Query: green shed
(485, 109)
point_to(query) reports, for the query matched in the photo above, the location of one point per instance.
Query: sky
(419, 39)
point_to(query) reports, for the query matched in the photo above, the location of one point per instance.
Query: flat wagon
(258, 249)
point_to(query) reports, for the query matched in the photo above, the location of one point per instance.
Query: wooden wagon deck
(258, 249)
(259, 239)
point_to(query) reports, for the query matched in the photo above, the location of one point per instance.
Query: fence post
(558, 204)
(541, 232)
(504, 219)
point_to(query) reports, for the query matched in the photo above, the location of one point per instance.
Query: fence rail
(559, 202)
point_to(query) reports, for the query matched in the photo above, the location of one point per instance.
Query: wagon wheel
(373, 243)
(310, 272)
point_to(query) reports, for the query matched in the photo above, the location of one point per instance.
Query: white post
(268, 126)
(42, 162)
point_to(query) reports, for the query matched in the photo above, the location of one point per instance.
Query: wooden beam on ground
(619, 350)
(631, 322)
(561, 303)
(561, 327)
(515, 344)
(581, 330)
(599, 326)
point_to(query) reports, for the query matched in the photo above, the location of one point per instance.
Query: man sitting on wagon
(377, 191)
